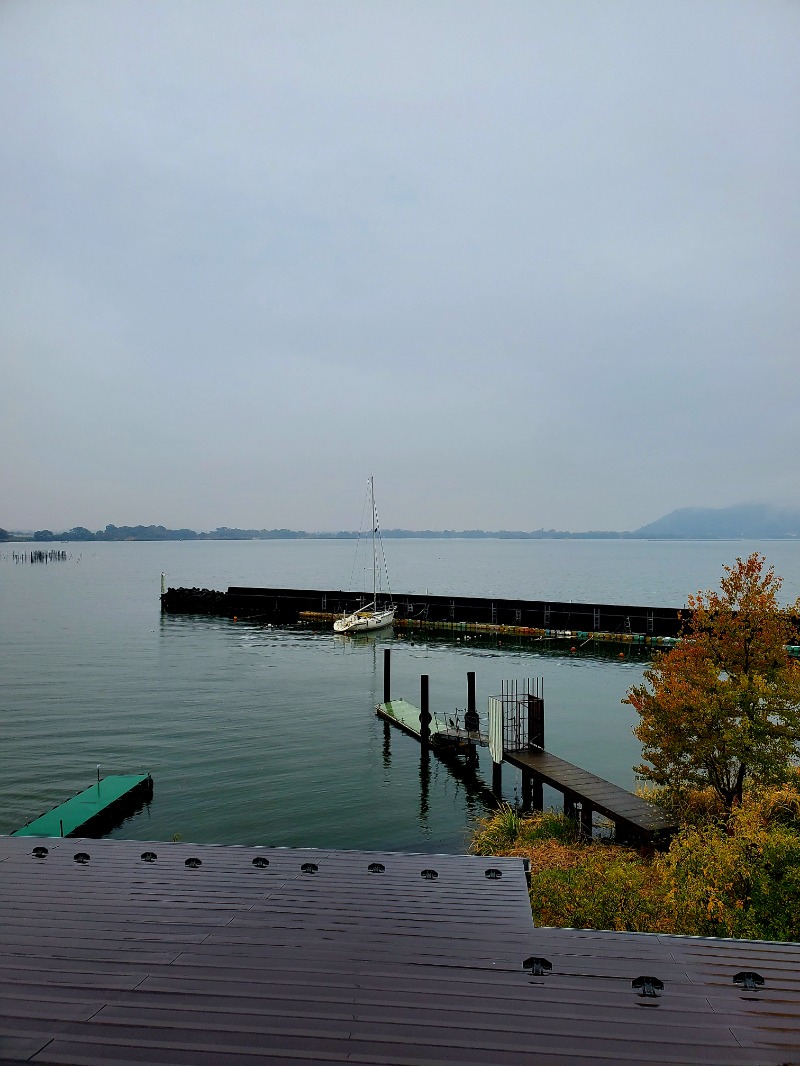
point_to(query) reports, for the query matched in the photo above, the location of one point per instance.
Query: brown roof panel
(118, 960)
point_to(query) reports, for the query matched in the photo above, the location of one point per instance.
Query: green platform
(406, 715)
(93, 803)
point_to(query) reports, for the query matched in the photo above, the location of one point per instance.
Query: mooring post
(471, 720)
(387, 675)
(497, 781)
(424, 712)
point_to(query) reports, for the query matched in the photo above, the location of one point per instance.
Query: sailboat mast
(374, 557)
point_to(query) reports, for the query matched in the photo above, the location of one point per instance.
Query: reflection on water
(424, 783)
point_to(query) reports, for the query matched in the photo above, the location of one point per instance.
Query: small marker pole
(61, 823)
(163, 584)
(98, 779)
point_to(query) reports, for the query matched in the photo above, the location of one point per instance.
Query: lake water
(258, 735)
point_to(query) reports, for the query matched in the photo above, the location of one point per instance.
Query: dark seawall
(287, 606)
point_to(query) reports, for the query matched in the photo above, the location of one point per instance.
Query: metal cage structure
(516, 717)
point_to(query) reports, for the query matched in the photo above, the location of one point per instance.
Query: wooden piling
(425, 714)
(472, 722)
(387, 675)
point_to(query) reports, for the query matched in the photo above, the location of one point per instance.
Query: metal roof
(117, 959)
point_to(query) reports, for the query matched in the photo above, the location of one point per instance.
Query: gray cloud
(529, 263)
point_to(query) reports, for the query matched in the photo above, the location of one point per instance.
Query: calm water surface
(258, 735)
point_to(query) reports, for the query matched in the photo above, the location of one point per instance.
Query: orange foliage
(723, 707)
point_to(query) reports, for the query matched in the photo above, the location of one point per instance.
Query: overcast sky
(528, 263)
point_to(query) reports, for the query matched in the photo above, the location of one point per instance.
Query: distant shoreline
(740, 522)
(117, 534)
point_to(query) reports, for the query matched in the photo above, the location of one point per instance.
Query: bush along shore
(728, 877)
(719, 723)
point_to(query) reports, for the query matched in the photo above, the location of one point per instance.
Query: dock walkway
(629, 812)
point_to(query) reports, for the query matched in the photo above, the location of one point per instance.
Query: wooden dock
(633, 817)
(635, 820)
(98, 804)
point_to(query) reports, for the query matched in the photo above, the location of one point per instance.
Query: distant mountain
(745, 520)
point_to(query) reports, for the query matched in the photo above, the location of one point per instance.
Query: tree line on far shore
(117, 533)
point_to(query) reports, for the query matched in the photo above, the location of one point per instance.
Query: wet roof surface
(122, 960)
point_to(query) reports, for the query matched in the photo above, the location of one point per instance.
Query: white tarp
(496, 728)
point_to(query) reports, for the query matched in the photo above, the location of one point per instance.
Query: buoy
(622, 655)
(572, 649)
(235, 618)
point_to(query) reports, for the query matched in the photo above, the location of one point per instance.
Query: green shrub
(506, 830)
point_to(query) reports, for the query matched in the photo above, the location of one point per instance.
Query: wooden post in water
(471, 720)
(424, 712)
(387, 675)
(497, 781)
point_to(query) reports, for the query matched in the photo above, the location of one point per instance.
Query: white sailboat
(370, 617)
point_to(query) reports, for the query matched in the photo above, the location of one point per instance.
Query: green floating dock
(406, 716)
(101, 801)
(442, 730)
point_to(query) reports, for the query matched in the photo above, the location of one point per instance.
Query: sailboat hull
(364, 621)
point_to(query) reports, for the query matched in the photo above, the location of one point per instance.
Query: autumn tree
(722, 708)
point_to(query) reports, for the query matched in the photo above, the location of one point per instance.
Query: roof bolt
(650, 986)
(538, 967)
(748, 980)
